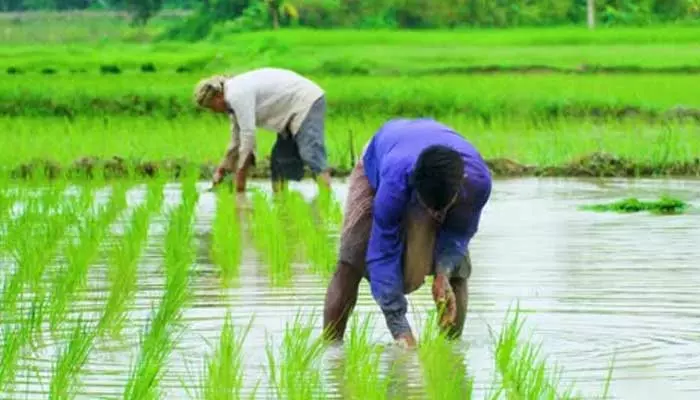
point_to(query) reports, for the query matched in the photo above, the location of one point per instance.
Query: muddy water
(592, 285)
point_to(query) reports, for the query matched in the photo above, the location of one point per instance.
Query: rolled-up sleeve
(384, 255)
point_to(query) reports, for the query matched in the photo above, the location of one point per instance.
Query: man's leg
(459, 287)
(285, 163)
(341, 294)
(311, 142)
(242, 174)
(341, 298)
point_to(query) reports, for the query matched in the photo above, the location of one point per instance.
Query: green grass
(664, 206)
(345, 51)
(487, 97)
(203, 141)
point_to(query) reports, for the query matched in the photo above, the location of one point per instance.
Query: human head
(209, 93)
(437, 177)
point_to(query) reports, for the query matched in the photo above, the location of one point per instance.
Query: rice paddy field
(121, 276)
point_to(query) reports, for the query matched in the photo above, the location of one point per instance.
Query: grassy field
(131, 97)
(358, 52)
(91, 44)
(656, 148)
(509, 95)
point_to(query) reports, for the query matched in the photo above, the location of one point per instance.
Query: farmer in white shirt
(278, 100)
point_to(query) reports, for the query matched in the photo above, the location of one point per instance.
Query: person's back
(279, 95)
(395, 148)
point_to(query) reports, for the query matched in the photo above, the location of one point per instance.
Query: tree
(281, 7)
(141, 10)
(590, 5)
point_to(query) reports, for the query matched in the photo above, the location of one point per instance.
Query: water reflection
(592, 286)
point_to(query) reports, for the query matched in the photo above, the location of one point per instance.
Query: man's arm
(384, 255)
(458, 230)
(452, 243)
(242, 102)
(230, 161)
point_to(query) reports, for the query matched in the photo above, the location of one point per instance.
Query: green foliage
(664, 206)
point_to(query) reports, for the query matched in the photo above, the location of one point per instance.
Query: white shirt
(271, 98)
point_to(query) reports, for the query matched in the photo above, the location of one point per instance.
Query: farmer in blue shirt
(414, 203)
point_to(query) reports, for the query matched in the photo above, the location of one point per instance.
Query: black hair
(438, 175)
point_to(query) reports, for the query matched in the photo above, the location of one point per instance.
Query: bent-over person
(278, 100)
(414, 202)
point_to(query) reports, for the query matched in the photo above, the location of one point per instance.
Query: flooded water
(593, 286)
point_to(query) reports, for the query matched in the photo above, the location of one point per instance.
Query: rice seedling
(541, 142)
(308, 233)
(223, 373)
(179, 249)
(156, 344)
(523, 373)
(362, 376)
(664, 206)
(160, 336)
(154, 195)
(226, 237)
(7, 200)
(491, 97)
(294, 370)
(35, 236)
(329, 209)
(123, 260)
(17, 334)
(270, 239)
(122, 272)
(65, 383)
(445, 375)
(80, 254)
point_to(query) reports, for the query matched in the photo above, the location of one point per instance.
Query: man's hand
(219, 175)
(445, 300)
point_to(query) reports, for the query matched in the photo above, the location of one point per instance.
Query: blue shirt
(388, 162)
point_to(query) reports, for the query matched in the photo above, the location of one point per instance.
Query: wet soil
(592, 165)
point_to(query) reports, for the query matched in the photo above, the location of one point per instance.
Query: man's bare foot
(406, 341)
